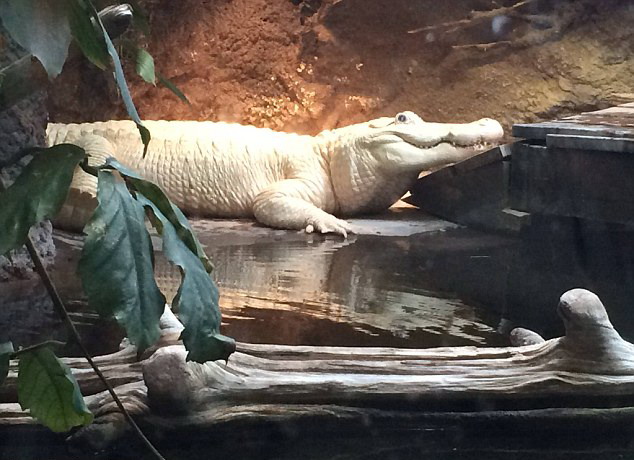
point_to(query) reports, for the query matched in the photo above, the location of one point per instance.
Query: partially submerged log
(584, 374)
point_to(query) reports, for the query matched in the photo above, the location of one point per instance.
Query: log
(591, 360)
(583, 374)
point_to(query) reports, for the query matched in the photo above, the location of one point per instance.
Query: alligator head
(406, 142)
(376, 162)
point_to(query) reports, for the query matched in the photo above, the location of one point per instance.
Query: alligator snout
(477, 132)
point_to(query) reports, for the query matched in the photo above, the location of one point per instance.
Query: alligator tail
(82, 196)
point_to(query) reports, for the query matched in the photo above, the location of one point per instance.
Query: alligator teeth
(475, 146)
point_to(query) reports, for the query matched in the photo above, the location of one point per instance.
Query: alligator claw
(329, 225)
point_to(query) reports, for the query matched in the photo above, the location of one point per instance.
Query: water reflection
(424, 287)
(28, 317)
(325, 291)
(369, 290)
(26, 313)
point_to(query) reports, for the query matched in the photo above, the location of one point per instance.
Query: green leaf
(116, 266)
(197, 296)
(41, 27)
(87, 37)
(47, 388)
(36, 194)
(145, 66)
(146, 137)
(6, 349)
(121, 82)
(172, 87)
(154, 193)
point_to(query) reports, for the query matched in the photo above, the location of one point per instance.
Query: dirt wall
(264, 63)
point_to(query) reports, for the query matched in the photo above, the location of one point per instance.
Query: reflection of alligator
(283, 180)
(363, 291)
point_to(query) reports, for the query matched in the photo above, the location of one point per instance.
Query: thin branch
(61, 310)
(475, 16)
(63, 313)
(484, 46)
(37, 346)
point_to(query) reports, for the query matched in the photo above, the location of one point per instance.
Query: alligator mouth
(474, 146)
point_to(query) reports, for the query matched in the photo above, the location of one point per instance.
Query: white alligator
(284, 180)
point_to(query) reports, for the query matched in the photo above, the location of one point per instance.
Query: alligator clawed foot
(329, 225)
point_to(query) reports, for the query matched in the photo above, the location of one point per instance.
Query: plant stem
(48, 343)
(61, 310)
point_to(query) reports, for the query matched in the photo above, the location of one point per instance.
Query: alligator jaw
(478, 146)
(462, 135)
(425, 146)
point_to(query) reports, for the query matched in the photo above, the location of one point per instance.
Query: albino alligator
(284, 180)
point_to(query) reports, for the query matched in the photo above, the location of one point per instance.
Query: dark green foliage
(86, 35)
(154, 193)
(121, 82)
(41, 27)
(116, 266)
(38, 193)
(197, 298)
(172, 87)
(47, 388)
(56, 22)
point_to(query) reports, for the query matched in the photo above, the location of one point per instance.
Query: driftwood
(578, 374)
(523, 24)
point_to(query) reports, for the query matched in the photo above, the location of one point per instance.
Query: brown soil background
(255, 62)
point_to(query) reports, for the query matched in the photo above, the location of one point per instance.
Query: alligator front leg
(284, 205)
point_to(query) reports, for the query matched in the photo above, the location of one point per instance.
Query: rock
(521, 337)
(22, 125)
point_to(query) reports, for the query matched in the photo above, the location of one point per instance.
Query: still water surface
(334, 292)
(292, 288)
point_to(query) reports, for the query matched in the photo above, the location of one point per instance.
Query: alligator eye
(402, 118)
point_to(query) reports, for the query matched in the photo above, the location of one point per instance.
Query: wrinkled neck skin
(360, 182)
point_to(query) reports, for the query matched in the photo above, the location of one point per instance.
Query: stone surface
(21, 126)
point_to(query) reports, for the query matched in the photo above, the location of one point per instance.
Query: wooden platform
(473, 192)
(581, 166)
(615, 122)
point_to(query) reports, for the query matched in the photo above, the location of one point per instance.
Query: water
(331, 292)
(406, 280)
(370, 290)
